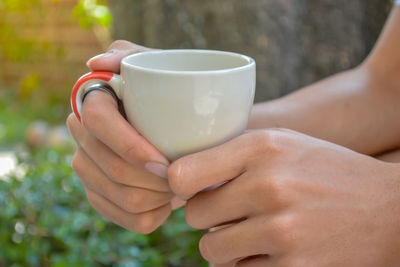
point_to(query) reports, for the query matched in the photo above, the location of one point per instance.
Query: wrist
(264, 115)
(387, 79)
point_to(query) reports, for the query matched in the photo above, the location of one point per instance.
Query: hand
(291, 200)
(113, 161)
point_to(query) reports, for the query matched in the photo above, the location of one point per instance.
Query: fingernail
(157, 169)
(104, 55)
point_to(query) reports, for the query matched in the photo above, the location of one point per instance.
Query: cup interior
(187, 60)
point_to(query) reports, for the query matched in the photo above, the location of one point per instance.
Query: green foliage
(45, 219)
(16, 114)
(29, 85)
(92, 12)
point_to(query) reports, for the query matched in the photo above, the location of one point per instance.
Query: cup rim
(250, 62)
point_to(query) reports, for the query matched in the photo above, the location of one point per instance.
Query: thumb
(111, 60)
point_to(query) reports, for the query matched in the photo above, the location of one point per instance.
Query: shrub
(45, 220)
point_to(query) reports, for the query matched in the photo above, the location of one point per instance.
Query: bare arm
(358, 108)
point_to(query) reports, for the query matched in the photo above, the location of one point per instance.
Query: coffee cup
(181, 101)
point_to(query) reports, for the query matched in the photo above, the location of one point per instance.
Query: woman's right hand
(123, 174)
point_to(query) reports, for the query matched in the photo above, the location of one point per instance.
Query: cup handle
(89, 79)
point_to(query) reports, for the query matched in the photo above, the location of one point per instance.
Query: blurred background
(45, 219)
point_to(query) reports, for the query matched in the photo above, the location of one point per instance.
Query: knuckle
(284, 230)
(276, 186)
(135, 151)
(91, 117)
(263, 141)
(273, 190)
(146, 223)
(283, 193)
(175, 177)
(76, 163)
(71, 122)
(121, 44)
(131, 152)
(91, 199)
(133, 202)
(115, 169)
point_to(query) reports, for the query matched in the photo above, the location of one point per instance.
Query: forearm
(349, 109)
(357, 109)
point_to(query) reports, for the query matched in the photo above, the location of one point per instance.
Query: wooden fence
(62, 46)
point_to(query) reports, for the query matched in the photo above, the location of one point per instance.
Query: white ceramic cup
(181, 101)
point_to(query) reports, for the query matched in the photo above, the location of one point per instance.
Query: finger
(224, 205)
(230, 264)
(100, 116)
(117, 169)
(220, 206)
(111, 60)
(255, 261)
(143, 223)
(219, 227)
(193, 173)
(247, 238)
(131, 199)
(176, 203)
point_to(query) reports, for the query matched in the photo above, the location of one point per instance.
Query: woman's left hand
(291, 200)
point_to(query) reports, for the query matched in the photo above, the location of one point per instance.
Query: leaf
(29, 84)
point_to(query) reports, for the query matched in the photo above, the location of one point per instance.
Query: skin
(295, 199)
(113, 169)
(303, 201)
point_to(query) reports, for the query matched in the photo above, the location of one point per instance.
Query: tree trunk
(293, 42)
